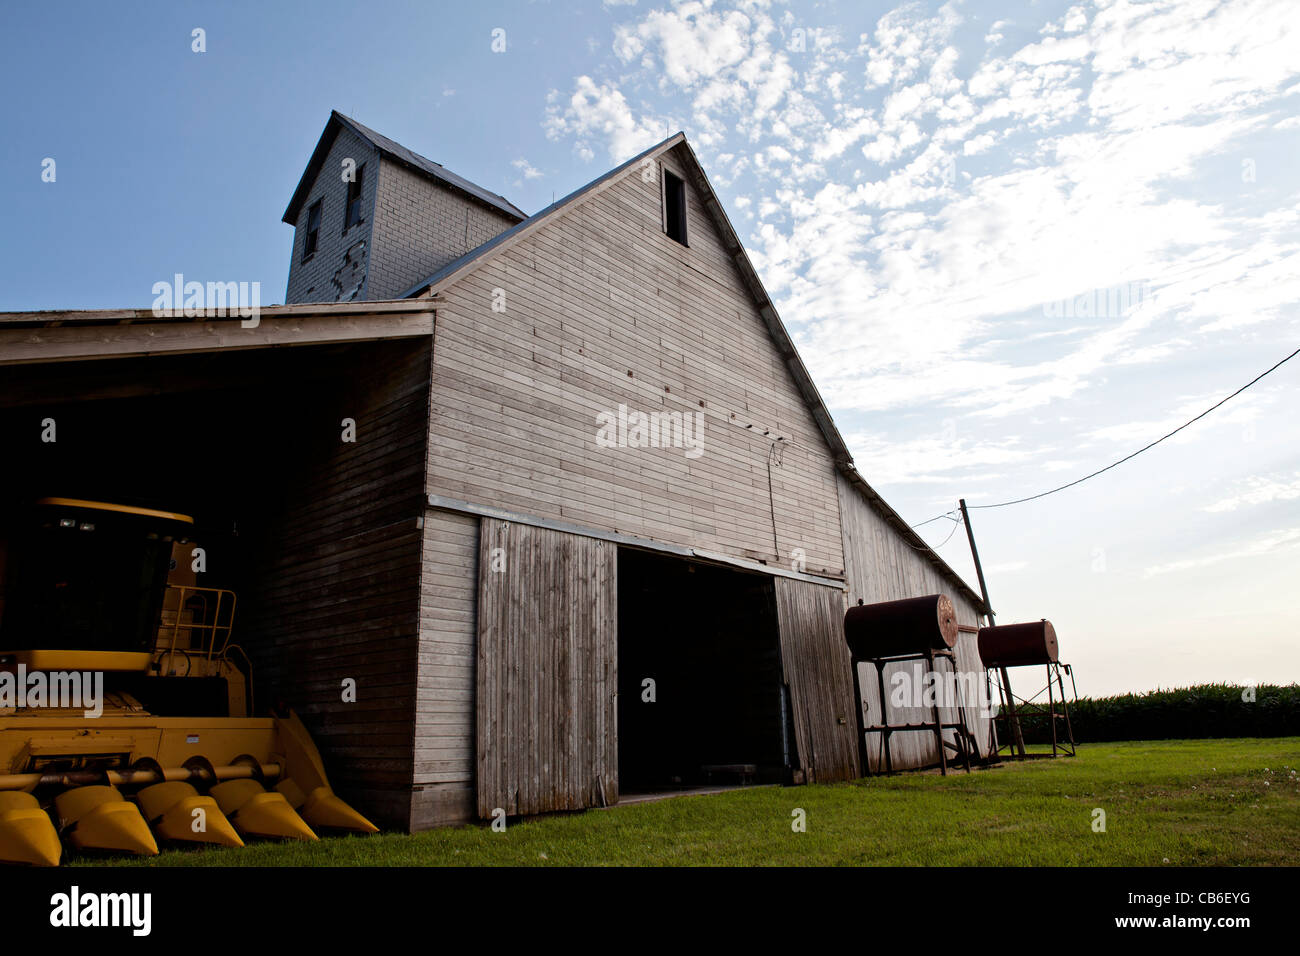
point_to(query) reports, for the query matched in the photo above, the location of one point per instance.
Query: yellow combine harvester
(124, 717)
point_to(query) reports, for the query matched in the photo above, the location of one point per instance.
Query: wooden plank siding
(547, 681)
(602, 309)
(444, 696)
(815, 660)
(335, 579)
(881, 566)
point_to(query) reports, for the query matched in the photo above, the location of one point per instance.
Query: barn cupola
(371, 218)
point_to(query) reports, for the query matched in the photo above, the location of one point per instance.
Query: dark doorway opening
(246, 443)
(708, 638)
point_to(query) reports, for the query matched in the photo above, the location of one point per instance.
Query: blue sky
(922, 187)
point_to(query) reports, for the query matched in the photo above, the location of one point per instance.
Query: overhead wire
(1115, 464)
(946, 514)
(1130, 457)
(955, 523)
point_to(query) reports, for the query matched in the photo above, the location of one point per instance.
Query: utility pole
(1017, 738)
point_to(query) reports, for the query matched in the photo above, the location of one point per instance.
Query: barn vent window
(353, 215)
(674, 207)
(313, 231)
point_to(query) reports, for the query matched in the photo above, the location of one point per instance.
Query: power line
(947, 514)
(1017, 501)
(1044, 494)
(955, 524)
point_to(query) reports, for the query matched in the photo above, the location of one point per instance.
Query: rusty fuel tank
(1016, 645)
(909, 626)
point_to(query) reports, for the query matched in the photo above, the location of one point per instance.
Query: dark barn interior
(708, 638)
(317, 536)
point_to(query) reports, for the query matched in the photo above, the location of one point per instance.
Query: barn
(524, 513)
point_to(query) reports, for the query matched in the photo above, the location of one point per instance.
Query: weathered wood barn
(555, 491)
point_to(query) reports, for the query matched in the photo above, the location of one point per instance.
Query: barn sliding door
(547, 670)
(818, 671)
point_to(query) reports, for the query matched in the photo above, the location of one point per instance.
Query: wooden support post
(1016, 736)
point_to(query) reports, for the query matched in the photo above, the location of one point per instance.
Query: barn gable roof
(396, 152)
(477, 257)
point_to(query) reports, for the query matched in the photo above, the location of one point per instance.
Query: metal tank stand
(1014, 710)
(964, 744)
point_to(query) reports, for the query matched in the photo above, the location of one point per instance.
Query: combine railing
(197, 622)
(208, 613)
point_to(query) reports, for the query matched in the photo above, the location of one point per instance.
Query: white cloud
(600, 111)
(931, 458)
(1166, 62)
(1240, 413)
(1053, 50)
(904, 41)
(527, 169)
(978, 144)
(1076, 18)
(1257, 491)
(1007, 567)
(1269, 544)
(690, 43)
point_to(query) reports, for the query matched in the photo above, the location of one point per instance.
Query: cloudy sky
(1014, 241)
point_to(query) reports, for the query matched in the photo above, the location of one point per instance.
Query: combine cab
(126, 711)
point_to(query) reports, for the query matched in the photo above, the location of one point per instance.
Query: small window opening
(313, 231)
(674, 207)
(353, 214)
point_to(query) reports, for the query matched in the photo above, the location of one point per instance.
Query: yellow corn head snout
(100, 818)
(258, 812)
(321, 808)
(155, 792)
(26, 833)
(177, 812)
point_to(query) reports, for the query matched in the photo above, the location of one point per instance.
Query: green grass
(1198, 803)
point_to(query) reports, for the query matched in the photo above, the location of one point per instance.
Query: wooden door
(547, 682)
(816, 663)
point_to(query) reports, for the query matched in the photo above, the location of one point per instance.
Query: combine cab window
(85, 580)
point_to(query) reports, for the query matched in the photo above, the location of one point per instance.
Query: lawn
(1176, 802)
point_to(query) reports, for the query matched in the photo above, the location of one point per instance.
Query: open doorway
(717, 712)
(307, 540)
